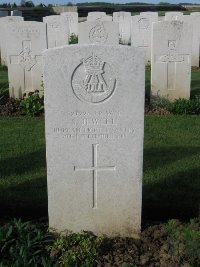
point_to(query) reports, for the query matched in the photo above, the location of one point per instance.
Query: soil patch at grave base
(152, 250)
(156, 111)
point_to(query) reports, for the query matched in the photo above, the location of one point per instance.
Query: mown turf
(171, 167)
(3, 77)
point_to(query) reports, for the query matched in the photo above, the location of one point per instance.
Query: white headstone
(16, 13)
(98, 32)
(26, 42)
(72, 19)
(173, 15)
(194, 22)
(171, 60)
(152, 14)
(3, 29)
(94, 138)
(92, 16)
(124, 20)
(141, 33)
(57, 31)
(3, 14)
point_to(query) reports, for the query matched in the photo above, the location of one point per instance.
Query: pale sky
(111, 1)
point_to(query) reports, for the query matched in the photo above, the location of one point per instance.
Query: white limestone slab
(99, 32)
(141, 33)
(16, 13)
(57, 31)
(3, 30)
(152, 14)
(26, 41)
(101, 16)
(72, 19)
(94, 138)
(124, 20)
(3, 14)
(173, 15)
(171, 60)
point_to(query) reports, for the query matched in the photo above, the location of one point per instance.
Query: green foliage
(184, 240)
(23, 244)
(73, 39)
(185, 106)
(179, 106)
(79, 250)
(33, 104)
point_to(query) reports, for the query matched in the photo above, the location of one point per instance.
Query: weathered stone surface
(141, 33)
(3, 30)
(57, 31)
(92, 16)
(171, 60)
(98, 32)
(72, 19)
(94, 138)
(194, 22)
(26, 41)
(124, 20)
(173, 15)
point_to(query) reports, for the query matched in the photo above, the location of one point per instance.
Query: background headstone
(92, 16)
(141, 33)
(124, 20)
(26, 42)
(3, 29)
(72, 19)
(173, 15)
(94, 138)
(98, 32)
(171, 60)
(57, 31)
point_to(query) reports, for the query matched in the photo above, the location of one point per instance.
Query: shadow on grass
(27, 200)
(171, 196)
(176, 197)
(23, 163)
(162, 156)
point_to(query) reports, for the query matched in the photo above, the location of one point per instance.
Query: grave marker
(94, 135)
(71, 18)
(26, 41)
(98, 32)
(57, 31)
(124, 20)
(171, 60)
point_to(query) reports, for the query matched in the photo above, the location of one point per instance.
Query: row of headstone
(24, 42)
(137, 30)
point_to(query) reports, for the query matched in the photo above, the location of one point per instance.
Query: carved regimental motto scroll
(93, 80)
(98, 34)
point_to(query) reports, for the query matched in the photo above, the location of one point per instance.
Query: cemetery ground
(171, 186)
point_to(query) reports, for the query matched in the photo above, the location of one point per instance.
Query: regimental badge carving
(172, 55)
(93, 80)
(143, 23)
(26, 59)
(98, 34)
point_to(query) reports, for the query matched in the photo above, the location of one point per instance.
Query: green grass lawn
(171, 183)
(3, 77)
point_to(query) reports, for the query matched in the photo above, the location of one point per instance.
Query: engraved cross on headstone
(171, 59)
(27, 61)
(95, 169)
